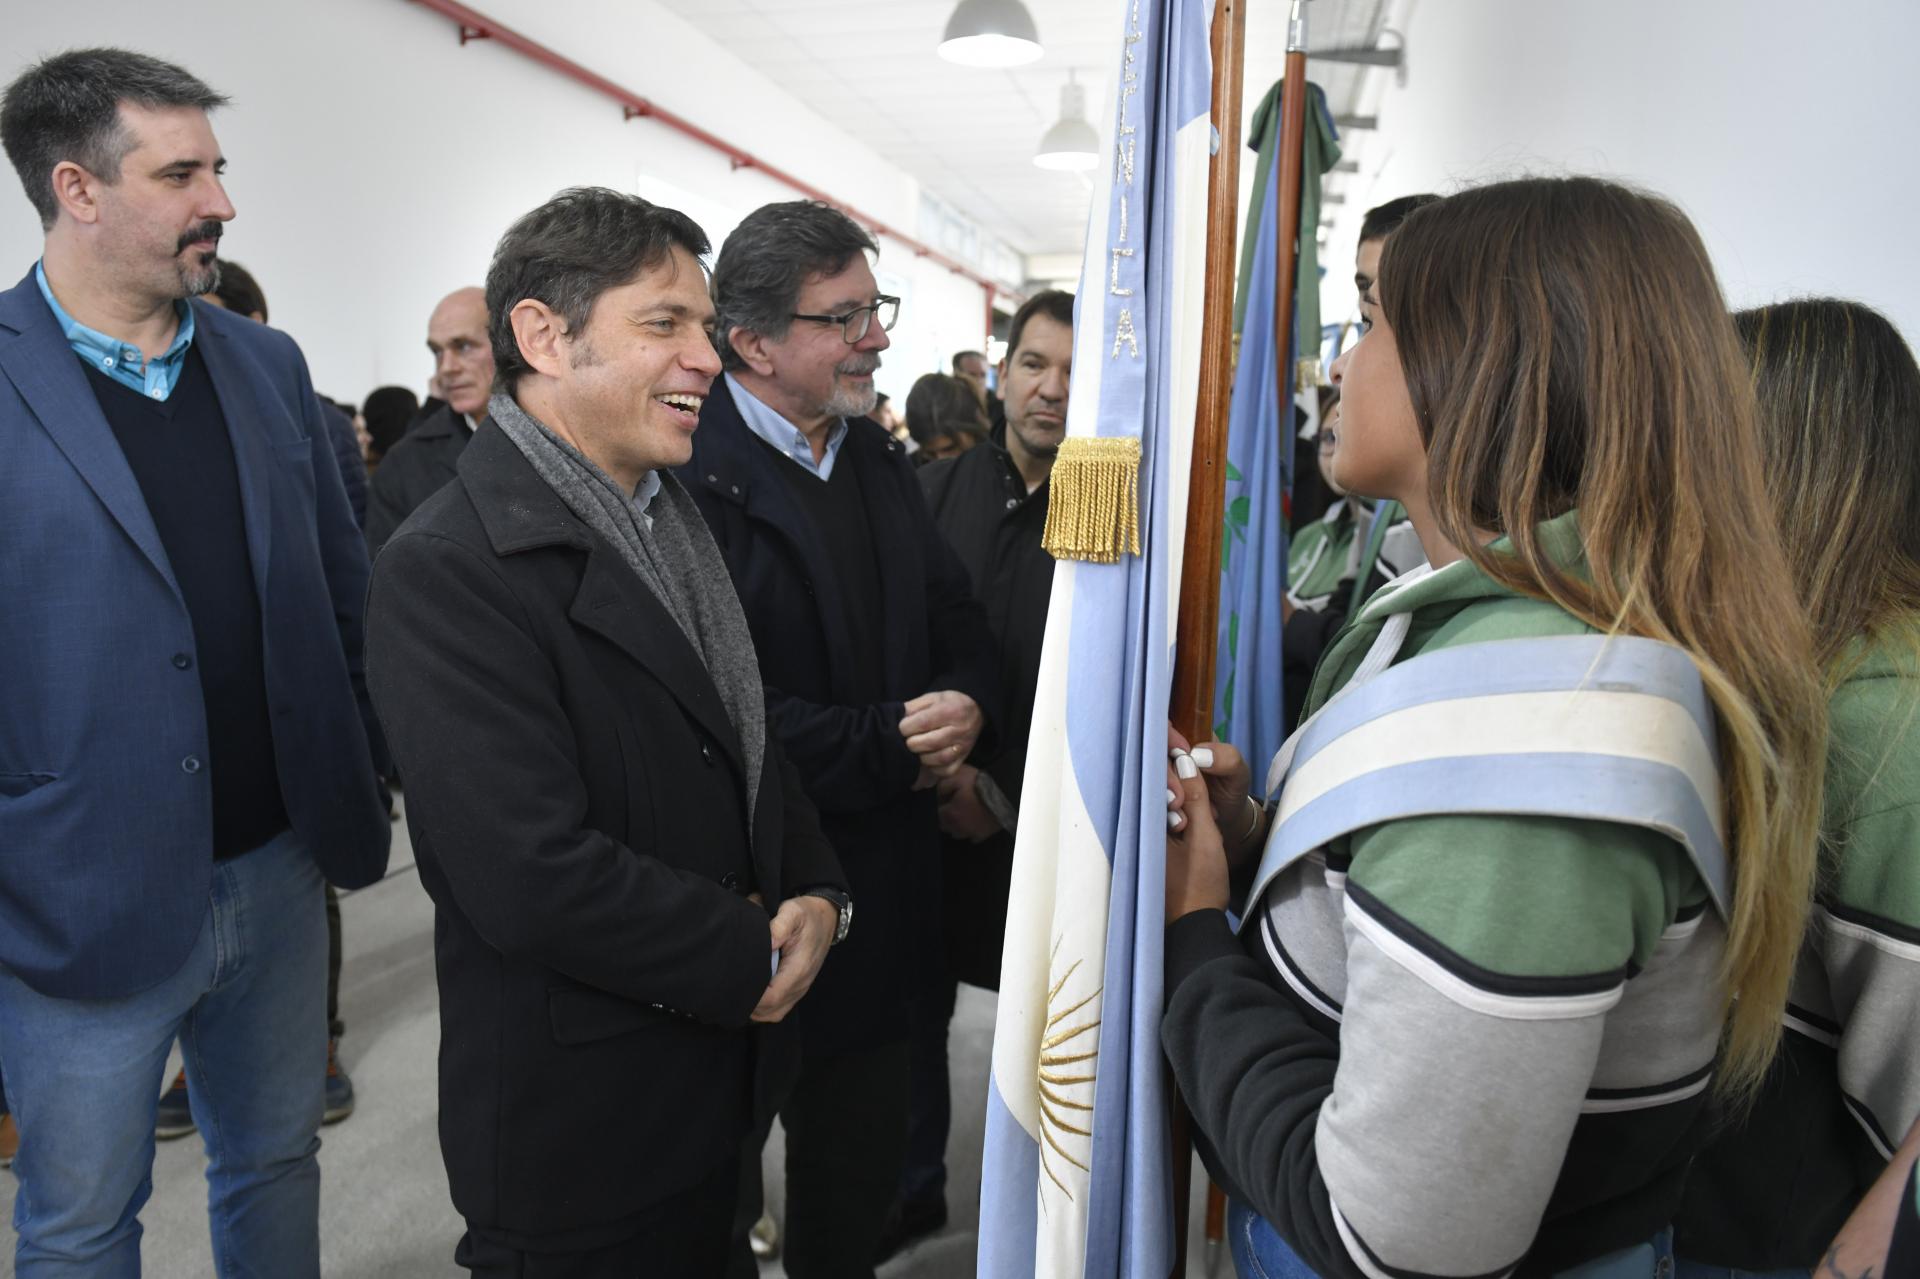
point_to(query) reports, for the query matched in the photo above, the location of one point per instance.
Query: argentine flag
(1076, 1178)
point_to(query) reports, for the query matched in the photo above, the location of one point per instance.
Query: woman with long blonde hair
(1840, 415)
(1556, 801)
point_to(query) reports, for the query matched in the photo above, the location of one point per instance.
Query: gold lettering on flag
(1125, 141)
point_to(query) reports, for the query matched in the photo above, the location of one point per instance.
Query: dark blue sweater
(182, 458)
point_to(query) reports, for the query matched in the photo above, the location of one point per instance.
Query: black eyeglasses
(855, 323)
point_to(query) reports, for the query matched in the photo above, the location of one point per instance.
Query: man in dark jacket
(619, 854)
(424, 459)
(877, 665)
(991, 503)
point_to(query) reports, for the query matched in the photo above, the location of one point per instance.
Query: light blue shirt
(643, 497)
(784, 435)
(119, 360)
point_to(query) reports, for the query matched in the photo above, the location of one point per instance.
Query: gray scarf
(674, 556)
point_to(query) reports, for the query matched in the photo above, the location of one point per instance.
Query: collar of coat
(728, 458)
(516, 507)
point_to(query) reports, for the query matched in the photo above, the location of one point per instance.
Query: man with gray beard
(879, 675)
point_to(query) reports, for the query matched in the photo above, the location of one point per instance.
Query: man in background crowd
(991, 504)
(421, 462)
(189, 738)
(878, 671)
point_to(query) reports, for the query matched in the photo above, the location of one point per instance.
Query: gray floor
(384, 1212)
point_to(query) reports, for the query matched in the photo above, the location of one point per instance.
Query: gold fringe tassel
(1093, 501)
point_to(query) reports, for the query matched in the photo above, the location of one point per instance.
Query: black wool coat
(851, 757)
(420, 464)
(577, 800)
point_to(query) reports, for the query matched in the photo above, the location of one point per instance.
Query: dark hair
(388, 410)
(1840, 421)
(762, 266)
(239, 292)
(569, 251)
(1384, 219)
(1055, 304)
(963, 355)
(940, 404)
(67, 107)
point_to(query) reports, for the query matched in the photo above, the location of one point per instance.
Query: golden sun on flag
(1068, 1050)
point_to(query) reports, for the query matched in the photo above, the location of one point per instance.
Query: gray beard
(848, 403)
(196, 279)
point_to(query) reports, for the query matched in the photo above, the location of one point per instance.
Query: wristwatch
(842, 904)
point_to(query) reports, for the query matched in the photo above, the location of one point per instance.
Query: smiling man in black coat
(602, 818)
(878, 667)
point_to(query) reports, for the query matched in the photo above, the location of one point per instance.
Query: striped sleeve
(1867, 931)
(1483, 958)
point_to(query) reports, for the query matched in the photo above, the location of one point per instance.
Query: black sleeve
(472, 701)
(959, 638)
(1254, 1073)
(807, 860)
(386, 502)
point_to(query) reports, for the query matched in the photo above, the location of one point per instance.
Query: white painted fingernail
(1170, 795)
(1203, 756)
(1184, 766)
(1173, 821)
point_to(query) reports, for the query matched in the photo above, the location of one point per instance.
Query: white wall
(1784, 129)
(374, 162)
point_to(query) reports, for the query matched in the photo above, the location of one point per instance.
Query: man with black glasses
(878, 669)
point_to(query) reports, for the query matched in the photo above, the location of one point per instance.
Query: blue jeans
(87, 1073)
(1259, 1253)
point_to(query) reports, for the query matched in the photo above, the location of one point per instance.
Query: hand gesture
(941, 729)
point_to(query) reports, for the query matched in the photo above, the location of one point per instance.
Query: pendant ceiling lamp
(1071, 143)
(990, 33)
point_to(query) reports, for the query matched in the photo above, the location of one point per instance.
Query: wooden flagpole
(1198, 627)
(1293, 134)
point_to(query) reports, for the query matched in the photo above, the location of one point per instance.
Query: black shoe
(175, 1118)
(908, 1223)
(339, 1088)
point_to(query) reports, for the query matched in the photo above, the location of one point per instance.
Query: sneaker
(764, 1238)
(909, 1222)
(339, 1089)
(174, 1119)
(9, 1140)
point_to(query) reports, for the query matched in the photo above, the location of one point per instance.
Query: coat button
(730, 882)
(191, 764)
(181, 661)
(706, 753)
(1012, 502)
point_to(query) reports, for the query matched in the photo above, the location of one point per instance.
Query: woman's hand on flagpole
(1196, 860)
(1228, 781)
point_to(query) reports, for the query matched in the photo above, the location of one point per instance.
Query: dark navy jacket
(852, 760)
(105, 826)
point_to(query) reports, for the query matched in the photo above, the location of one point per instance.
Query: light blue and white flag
(1076, 1179)
(1248, 709)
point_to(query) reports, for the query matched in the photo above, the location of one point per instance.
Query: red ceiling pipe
(477, 26)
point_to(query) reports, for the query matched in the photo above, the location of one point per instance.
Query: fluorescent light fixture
(1071, 143)
(990, 33)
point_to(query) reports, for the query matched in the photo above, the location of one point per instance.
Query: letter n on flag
(1076, 1176)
